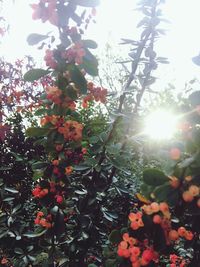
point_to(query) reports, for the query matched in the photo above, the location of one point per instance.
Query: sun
(160, 125)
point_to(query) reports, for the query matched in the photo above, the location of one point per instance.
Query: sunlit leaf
(35, 38)
(35, 74)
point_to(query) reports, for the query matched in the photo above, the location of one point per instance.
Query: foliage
(17, 208)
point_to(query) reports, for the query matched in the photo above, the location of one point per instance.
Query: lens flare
(160, 125)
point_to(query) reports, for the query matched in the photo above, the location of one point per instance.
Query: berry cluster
(139, 253)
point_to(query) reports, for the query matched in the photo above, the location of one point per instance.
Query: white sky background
(117, 19)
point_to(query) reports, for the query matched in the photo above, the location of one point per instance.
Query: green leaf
(115, 237)
(18, 251)
(87, 3)
(11, 190)
(5, 168)
(78, 78)
(37, 174)
(8, 199)
(89, 44)
(92, 265)
(35, 234)
(90, 65)
(154, 177)
(54, 210)
(194, 98)
(35, 74)
(110, 263)
(71, 92)
(161, 192)
(39, 165)
(63, 262)
(35, 38)
(37, 132)
(81, 167)
(41, 111)
(81, 192)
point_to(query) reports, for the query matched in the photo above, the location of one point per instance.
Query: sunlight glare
(160, 125)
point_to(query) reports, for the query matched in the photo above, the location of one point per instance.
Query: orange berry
(126, 237)
(157, 219)
(136, 264)
(84, 150)
(173, 235)
(188, 178)
(68, 170)
(140, 223)
(120, 252)
(123, 244)
(155, 207)
(181, 231)
(147, 209)
(40, 214)
(133, 258)
(132, 217)
(55, 162)
(59, 147)
(126, 253)
(187, 196)
(134, 225)
(194, 190)
(4, 261)
(189, 235)
(143, 262)
(164, 207)
(175, 153)
(174, 182)
(135, 251)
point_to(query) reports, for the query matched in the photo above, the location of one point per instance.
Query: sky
(118, 19)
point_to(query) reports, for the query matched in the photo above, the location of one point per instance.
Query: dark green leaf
(35, 38)
(37, 175)
(81, 192)
(115, 237)
(110, 263)
(161, 192)
(11, 190)
(39, 165)
(89, 44)
(87, 3)
(78, 78)
(35, 74)
(71, 92)
(41, 111)
(8, 199)
(5, 168)
(154, 177)
(37, 132)
(18, 251)
(81, 167)
(90, 66)
(35, 234)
